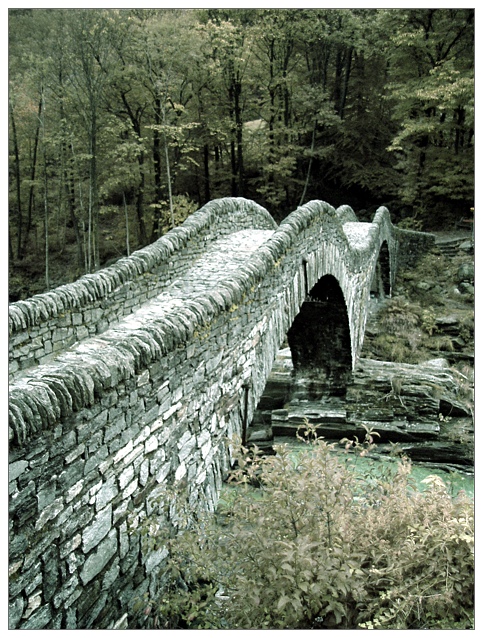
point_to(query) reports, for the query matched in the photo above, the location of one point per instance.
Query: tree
(167, 54)
(275, 48)
(26, 94)
(359, 159)
(128, 101)
(431, 89)
(147, 108)
(91, 48)
(229, 36)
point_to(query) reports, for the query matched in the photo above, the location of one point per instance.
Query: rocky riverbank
(422, 399)
(417, 406)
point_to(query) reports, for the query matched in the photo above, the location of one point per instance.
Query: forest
(124, 121)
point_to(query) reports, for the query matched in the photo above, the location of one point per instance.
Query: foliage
(403, 328)
(182, 208)
(408, 329)
(433, 104)
(411, 223)
(134, 107)
(317, 545)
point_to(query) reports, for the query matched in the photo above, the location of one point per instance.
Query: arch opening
(381, 281)
(320, 343)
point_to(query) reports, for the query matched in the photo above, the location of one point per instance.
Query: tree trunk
(70, 196)
(142, 235)
(33, 171)
(307, 179)
(136, 124)
(236, 143)
(345, 82)
(231, 97)
(206, 167)
(234, 190)
(343, 66)
(94, 193)
(46, 225)
(168, 175)
(126, 219)
(46, 203)
(17, 184)
(157, 169)
(168, 166)
(82, 249)
(459, 116)
(239, 137)
(89, 231)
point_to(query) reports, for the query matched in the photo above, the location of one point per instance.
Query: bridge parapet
(46, 324)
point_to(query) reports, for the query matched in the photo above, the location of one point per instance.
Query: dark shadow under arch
(381, 282)
(320, 342)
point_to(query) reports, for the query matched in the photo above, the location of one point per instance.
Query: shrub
(317, 545)
(183, 207)
(411, 223)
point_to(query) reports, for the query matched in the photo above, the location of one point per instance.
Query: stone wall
(412, 246)
(95, 435)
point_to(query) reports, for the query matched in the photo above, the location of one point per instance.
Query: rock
(448, 320)
(403, 403)
(437, 363)
(467, 288)
(264, 434)
(449, 324)
(467, 247)
(400, 431)
(439, 452)
(466, 272)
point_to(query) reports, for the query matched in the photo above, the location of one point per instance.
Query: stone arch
(320, 342)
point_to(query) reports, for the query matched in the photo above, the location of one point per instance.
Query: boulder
(466, 272)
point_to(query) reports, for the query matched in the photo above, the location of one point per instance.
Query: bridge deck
(221, 260)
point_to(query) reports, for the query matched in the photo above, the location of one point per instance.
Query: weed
(428, 320)
(443, 343)
(396, 390)
(411, 223)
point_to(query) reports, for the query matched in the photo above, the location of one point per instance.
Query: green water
(455, 480)
(377, 465)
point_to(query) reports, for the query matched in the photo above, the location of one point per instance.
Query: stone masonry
(163, 358)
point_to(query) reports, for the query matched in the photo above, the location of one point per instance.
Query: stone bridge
(135, 377)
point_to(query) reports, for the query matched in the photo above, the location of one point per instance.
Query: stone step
(451, 248)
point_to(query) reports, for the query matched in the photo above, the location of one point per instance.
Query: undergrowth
(409, 327)
(315, 545)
